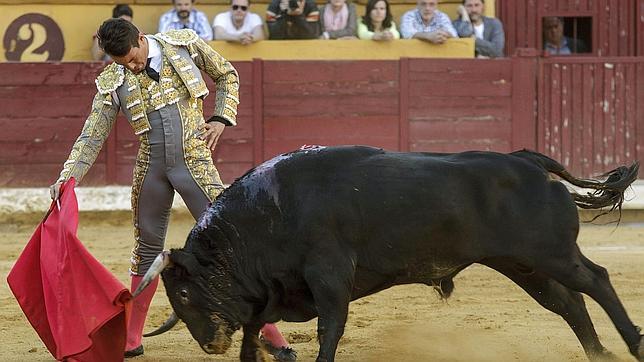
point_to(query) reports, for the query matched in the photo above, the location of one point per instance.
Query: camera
(292, 4)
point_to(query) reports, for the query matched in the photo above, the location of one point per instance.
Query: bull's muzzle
(220, 344)
(160, 263)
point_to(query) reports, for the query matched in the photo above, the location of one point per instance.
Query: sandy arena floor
(487, 318)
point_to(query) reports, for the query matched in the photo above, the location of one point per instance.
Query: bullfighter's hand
(210, 132)
(54, 190)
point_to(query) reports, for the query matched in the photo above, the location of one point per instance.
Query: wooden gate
(590, 111)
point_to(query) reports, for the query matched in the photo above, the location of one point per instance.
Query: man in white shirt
(185, 16)
(238, 24)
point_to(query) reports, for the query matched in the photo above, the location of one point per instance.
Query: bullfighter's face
(201, 301)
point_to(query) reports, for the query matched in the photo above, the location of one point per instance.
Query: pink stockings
(140, 306)
(273, 335)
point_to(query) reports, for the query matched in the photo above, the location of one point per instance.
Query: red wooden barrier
(617, 25)
(590, 112)
(586, 112)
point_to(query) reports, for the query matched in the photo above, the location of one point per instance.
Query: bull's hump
(263, 178)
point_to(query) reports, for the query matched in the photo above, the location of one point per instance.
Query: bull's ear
(186, 260)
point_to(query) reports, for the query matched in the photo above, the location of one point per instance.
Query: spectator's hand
(437, 37)
(299, 11)
(462, 12)
(246, 38)
(54, 190)
(210, 133)
(386, 35)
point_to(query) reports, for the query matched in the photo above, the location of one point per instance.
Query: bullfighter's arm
(95, 131)
(225, 77)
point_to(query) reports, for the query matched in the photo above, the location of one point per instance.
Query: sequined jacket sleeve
(225, 77)
(95, 131)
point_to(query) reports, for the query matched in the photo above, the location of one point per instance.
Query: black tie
(151, 72)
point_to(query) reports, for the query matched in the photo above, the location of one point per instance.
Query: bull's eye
(184, 296)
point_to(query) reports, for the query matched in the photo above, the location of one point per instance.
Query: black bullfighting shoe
(134, 352)
(286, 354)
(282, 354)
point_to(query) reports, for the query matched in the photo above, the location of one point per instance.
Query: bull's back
(439, 210)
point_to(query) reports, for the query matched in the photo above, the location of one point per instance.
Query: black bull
(302, 235)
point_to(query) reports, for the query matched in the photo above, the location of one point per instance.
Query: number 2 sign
(33, 37)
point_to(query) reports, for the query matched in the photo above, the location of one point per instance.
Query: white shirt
(225, 20)
(478, 30)
(154, 52)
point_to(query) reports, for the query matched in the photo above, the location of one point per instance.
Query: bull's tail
(607, 193)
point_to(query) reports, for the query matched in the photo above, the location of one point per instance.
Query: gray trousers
(167, 172)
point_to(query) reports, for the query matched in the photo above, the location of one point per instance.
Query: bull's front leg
(331, 287)
(251, 350)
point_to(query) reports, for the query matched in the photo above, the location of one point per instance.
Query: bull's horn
(166, 326)
(161, 261)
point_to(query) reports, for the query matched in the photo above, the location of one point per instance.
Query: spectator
(338, 20)
(123, 11)
(427, 23)
(293, 19)
(487, 32)
(238, 24)
(554, 41)
(377, 22)
(185, 16)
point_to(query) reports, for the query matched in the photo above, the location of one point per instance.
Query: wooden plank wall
(617, 27)
(329, 103)
(457, 105)
(639, 20)
(590, 112)
(42, 110)
(616, 31)
(587, 112)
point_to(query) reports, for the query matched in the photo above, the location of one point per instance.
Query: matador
(156, 81)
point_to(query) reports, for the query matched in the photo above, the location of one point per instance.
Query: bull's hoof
(602, 355)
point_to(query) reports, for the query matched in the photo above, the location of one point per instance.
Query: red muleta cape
(77, 307)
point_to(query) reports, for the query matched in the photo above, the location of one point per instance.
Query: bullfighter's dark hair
(366, 19)
(117, 36)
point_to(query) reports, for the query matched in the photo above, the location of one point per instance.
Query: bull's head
(200, 295)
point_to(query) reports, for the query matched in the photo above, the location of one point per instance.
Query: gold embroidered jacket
(183, 50)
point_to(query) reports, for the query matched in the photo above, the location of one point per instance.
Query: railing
(53, 30)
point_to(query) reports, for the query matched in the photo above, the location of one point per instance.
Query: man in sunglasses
(238, 24)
